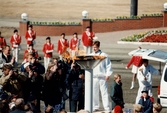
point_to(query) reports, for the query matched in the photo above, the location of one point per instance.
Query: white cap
(26, 64)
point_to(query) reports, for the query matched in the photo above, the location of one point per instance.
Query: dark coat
(75, 84)
(116, 95)
(148, 104)
(52, 93)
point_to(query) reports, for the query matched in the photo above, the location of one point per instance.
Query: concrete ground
(119, 58)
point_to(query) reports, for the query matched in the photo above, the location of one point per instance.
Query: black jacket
(116, 95)
(75, 84)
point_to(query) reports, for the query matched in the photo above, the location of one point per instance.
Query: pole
(89, 90)
(133, 8)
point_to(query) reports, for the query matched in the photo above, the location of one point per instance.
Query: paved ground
(119, 58)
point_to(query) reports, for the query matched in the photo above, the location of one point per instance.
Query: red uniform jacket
(48, 50)
(30, 36)
(15, 41)
(136, 60)
(33, 51)
(62, 46)
(2, 42)
(74, 43)
(87, 40)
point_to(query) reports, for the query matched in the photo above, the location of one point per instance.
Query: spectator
(144, 77)
(14, 84)
(6, 57)
(116, 92)
(51, 90)
(49, 109)
(34, 82)
(87, 40)
(48, 48)
(34, 62)
(19, 106)
(146, 101)
(62, 46)
(137, 62)
(101, 74)
(15, 41)
(138, 108)
(33, 104)
(157, 108)
(76, 82)
(30, 35)
(7, 72)
(117, 109)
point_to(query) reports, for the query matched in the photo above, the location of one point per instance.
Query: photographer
(76, 84)
(34, 62)
(54, 91)
(34, 83)
(12, 81)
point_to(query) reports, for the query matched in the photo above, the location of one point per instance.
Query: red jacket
(74, 43)
(136, 60)
(15, 41)
(2, 42)
(48, 50)
(35, 52)
(87, 40)
(30, 36)
(62, 46)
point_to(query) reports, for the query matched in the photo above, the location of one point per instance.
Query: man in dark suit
(6, 57)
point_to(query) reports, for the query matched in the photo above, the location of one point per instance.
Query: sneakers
(131, 87)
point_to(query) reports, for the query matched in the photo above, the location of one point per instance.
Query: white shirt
(104, 67)
(146, 72)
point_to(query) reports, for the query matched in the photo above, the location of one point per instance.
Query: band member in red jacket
(15, 41)
(48, 48)
(74, 44)
(30, 49)
(63, 44)
(2, 42)
(30, 35)
(87, 40)
(137, 62)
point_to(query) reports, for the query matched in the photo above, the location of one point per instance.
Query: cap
(26, 64)
(138, 107)
(144, 91)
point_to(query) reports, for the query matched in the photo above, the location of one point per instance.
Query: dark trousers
(76, 103)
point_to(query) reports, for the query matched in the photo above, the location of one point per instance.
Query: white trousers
(102, 84)
(88, 49)
(46, 62)
(73, 53)
(16, 54)
(141, 88)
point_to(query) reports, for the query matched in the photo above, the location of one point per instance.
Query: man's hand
(10, 73)
(30, 74)
(107, 78)
(81, 76)
(12, 60)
